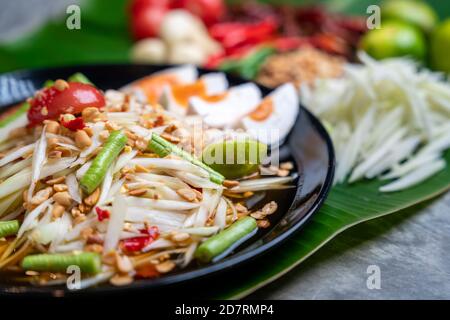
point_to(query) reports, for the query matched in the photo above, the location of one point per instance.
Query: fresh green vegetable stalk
(8, 228)
(79, 77)
(88, 262)
(249, 66)
(162, 147)
(10, 118)
(222, 241)
(252, 64)
(97, 171)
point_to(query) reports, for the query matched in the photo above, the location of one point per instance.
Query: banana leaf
(346, 206)
(104, 38)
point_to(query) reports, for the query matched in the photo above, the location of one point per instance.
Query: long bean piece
(162, 147)
(225, 239)
(88, 262)
(100, 165)
(8, 228)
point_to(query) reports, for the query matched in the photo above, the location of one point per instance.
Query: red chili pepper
(234, 34)
(138, 243)
(102, 214)
(74, 125)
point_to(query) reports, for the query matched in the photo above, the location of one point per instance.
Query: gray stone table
(411, 250)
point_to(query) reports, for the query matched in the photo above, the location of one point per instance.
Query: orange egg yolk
(263, 111)
(153, 86)
(196, 89)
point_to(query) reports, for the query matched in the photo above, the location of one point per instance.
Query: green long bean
(225, 239)
(100, 165)
(88, 262)
(8, 228)
(162, 147)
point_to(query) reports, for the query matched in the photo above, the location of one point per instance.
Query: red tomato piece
(210, 11)
(138, 5)
(50, 103)
(146, 22)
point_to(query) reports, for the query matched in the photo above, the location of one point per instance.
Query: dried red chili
(74, 125)
(138, 243)
(102, 214)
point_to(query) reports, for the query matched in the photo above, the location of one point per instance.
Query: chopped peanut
(165, 266)
(263, 223)
(57, 211)
(62, 198)
(60, 187)
(89, 131)
(121, 280)
(92, 199)
(86, 233)
(61, 85)
(82, 140)
(230, 183)
(55, 180)
(90, 114)
(41, 196)
(123, 264)
(180, 237)
(52, 126)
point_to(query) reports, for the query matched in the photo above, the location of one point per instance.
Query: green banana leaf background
(104, 38)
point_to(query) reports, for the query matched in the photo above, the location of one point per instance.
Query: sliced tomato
(138, 5)
(210, 11)
(146, 22)
(50, 103)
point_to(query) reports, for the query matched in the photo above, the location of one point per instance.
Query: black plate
(308, 145)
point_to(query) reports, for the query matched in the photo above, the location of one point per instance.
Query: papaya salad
(129, 183)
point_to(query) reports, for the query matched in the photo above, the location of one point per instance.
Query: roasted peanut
(61, 85)
(82, 140)
(90, 114)
(62, 198)
(60, 187)
(92, 199)
(55, 180)
(230, 183)
(165, 266)
(52, 126)
(57, 211)
(41, 196)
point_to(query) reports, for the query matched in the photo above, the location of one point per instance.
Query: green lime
(417, 13)
(235, 158)
(440, 47)
(395, 39)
